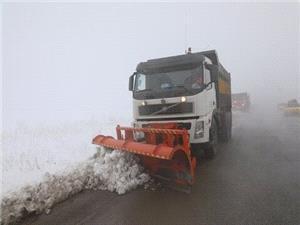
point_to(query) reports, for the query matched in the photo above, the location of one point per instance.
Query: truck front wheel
(211, 148)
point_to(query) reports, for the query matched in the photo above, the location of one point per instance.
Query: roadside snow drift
(114, 171)
(31, 150)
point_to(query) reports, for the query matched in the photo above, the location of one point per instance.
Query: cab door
(209, 91)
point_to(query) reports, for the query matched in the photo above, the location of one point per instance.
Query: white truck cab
(191, 90)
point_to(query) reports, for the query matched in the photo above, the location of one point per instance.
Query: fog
(65, 70)
(72, 61)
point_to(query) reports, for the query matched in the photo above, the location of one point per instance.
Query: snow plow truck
(181, 106)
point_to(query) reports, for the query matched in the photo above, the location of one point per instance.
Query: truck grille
(186, 126)
(183, 107)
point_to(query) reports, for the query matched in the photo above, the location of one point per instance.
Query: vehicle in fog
(241, 101)
(292, 108)
(191, 90)
(179, 103)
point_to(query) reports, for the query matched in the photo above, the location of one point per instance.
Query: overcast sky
(72, 61)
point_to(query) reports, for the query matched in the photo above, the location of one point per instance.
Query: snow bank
(29, 151)
(108, 170)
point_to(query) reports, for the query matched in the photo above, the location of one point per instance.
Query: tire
(211, 150)
(196, 150)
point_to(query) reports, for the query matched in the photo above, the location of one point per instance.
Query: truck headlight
(199, 129)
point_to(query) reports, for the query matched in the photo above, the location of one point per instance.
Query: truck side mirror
(213, 71)
(131, 79)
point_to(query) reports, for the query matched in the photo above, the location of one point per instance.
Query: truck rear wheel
(211, 149)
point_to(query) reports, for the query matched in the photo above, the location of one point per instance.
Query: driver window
(195, 80)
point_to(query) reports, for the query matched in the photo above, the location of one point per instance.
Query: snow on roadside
(29, 151)
(62, 152)
(114, 171)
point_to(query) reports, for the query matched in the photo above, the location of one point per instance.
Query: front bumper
(189, 125)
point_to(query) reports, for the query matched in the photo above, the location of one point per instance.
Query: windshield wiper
(146, 89)
(184, 87)
(147, 93)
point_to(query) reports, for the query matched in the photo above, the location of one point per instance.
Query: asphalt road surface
(255, 179)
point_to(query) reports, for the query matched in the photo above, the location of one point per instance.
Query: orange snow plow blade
(164, 150)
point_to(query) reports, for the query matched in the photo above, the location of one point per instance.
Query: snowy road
(255, 179)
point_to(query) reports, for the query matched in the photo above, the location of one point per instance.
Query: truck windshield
(168, 84)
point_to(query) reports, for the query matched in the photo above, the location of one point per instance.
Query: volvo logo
(163, 101)
(165, 108)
